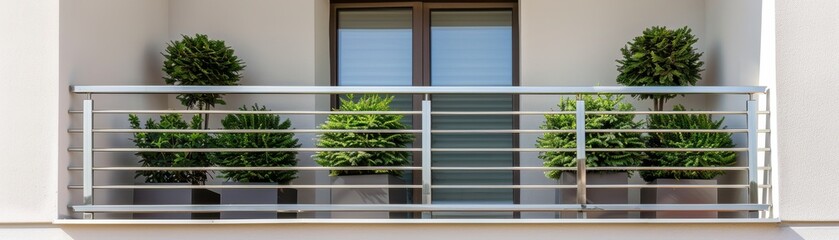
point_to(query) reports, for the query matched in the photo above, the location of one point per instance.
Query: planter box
(680, 196)
(257, 196)
(175, 196)
(595, 196)
(368, 195)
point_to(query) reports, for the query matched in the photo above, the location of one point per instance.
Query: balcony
(104, 186)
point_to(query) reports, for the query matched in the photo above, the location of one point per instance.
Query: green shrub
(660, 57)
(256, 140)
(172, 140)
(201, 61)
(593, 140)
(363, 140)
(687, 140)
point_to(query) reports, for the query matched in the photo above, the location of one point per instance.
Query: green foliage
(256, 140)
(593, 140)
(687, 140)
(363, 140)
(172, 140)
(201, 61)
(660, 57)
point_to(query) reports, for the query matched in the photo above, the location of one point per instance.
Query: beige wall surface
(576, 43)
(106, 42)
(33, 143)
(282, 43)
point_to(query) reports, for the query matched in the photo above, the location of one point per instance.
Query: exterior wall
(29, 102)
(576, 43)
(806, 33)
(282, 43)
(121, 45)
(806, 92)
(733, 40)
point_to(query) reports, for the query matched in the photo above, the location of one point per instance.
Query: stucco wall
(29, 73)
(807, 33)
(106, 42)
(282, 43)
(28, 102)
(576, 43)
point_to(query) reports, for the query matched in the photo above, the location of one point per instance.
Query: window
(439, 44)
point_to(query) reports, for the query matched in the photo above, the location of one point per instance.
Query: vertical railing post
(581, 155)
(426, 153)
(87, 155)
(751, 119)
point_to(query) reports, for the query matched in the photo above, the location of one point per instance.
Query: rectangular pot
(368, 195)
(175, 196)
(595, 196)
(257, 196)
(680, 196)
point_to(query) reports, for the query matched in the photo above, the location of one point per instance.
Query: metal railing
(424, 184)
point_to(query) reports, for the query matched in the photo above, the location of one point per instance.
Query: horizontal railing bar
(406, 112)
(587, 186)
(589, 149)
(321, 186)
(248, 112)
(417, 168)
(246, 168)
(415, 207)
(186, 186)
(168, 89)
(476, 131)
(73, 149)
(123, 130)
(248, 149)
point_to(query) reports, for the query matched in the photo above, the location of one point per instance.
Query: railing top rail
(168, 89)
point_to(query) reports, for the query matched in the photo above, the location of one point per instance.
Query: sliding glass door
(440, 44)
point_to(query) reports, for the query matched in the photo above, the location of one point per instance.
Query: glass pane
(374, 47)
(472, 48)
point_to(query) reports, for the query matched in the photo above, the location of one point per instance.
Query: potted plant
(660, 57)
(593, 159)
(173, 159)
(257, 159)
(201, 61)
(364, 158)
(685, 159)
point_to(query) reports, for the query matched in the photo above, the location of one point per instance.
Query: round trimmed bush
(660, 57)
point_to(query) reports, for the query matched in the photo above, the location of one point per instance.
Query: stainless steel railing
(425, 184)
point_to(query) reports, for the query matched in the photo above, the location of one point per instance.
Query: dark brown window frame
(421, 54)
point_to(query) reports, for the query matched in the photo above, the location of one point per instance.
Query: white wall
(29, 76)
(29, 102)
(807, 37)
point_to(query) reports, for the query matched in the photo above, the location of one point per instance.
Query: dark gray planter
(680, 196)
(595, 196)
(175, 196)
(257, 196)
(368, 195)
